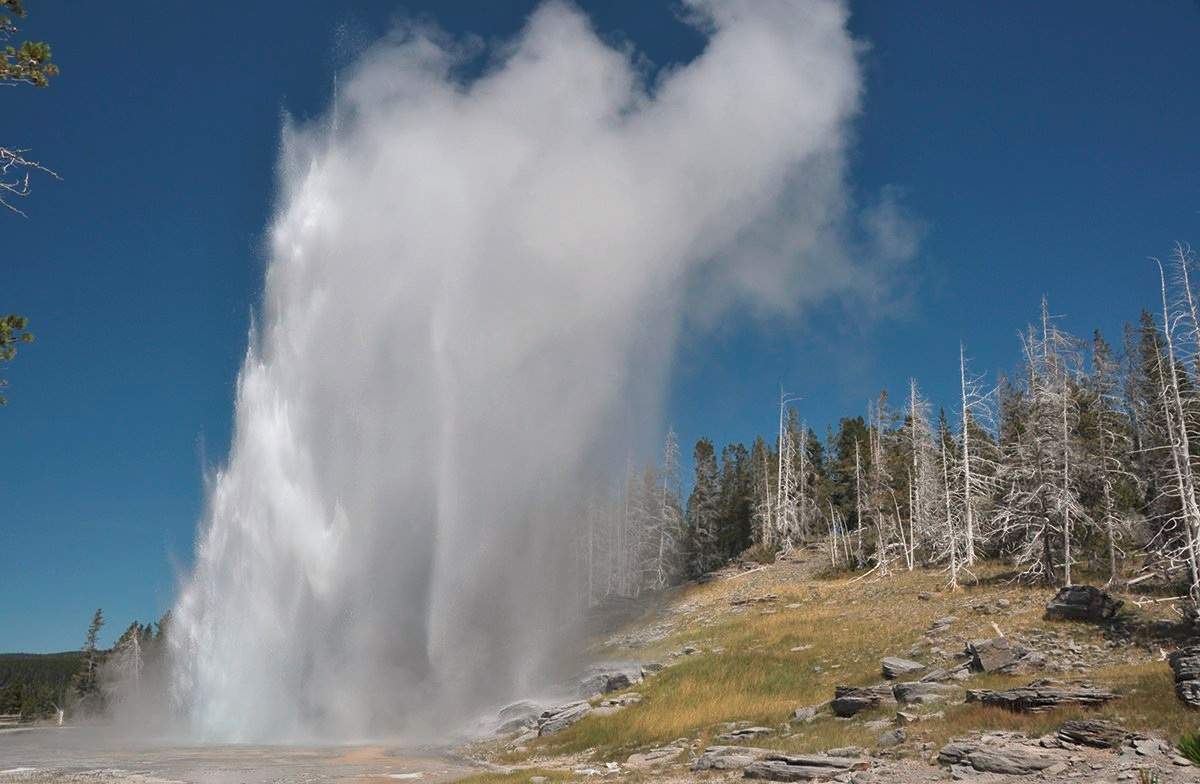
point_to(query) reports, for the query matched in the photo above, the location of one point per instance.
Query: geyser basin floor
(34, 756)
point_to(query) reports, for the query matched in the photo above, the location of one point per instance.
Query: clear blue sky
(1047, 148)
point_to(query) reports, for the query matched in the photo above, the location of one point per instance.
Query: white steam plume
(472, 282)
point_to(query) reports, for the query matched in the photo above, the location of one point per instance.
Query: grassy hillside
(785, 636)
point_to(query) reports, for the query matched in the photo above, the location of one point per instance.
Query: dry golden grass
(850, 625)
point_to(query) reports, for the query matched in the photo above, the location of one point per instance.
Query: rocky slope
(782, 673)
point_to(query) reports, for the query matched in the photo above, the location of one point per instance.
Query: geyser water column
(471, 283)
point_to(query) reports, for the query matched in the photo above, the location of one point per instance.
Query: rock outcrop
(1093, 732)
(995, 655)
(1082, 603)
(1185, 664)
(1041, 696)
(850, 700)
(996, 754)
(894, 667)
(605, 678)
(803, 767)
(924, 692)
(558, 719)
(729, 757)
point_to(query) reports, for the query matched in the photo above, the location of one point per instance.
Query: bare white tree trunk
(968, 504)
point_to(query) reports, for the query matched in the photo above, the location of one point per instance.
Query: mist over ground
(474, 291)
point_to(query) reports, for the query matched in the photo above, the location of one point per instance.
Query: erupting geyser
(472, 284)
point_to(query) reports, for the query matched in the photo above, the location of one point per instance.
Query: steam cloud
(475, 286)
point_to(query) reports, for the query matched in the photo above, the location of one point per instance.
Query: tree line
(1082, 461)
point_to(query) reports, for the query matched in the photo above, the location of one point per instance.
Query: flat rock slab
(1095, 733)
(558, 719)
(1185, 664)
(746, 733)
(1042, 696)
(1082, 603)
(850, 700)
(729, 757)
(804, 767)
(893, 667)
(1013, 759)
(923, 692)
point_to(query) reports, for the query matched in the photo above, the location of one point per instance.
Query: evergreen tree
(703, 511)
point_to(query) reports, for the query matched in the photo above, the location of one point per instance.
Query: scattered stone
(1009, 758)
(1185, 664)
(994, 655)
(1041, 696)
(892, 738)
(745, 733)
(849, 700)
(922, 692)
(558, 719)
(1093, 732)
(728, 757)
(804, 767)
(1082, 603)
(893, 667)
(924, 596)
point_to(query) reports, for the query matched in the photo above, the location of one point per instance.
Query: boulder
(728, 757)
(1093, 732)
(803, 767)
(994, 655)
(1082, 603)
(923, 692)
(1185, 664)
(893, 667)
(1008, 758)
(605, 678)
(1041, 696)
(558, 719)
(517, 717)
(850, 700)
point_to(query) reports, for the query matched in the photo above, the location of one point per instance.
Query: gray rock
(805, 713)
(558, 719)
(1082, 603)
(605, 678)
(1093, 732)
(653, 758)
(728, 757)
(1041, 696)
(849, 700)
(893, 667)
(517, 717)
(1013, 759)
(804, 767)
(745, 733)
(1185, 664)
(892, 738)
(923, 692)
(994, 655)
